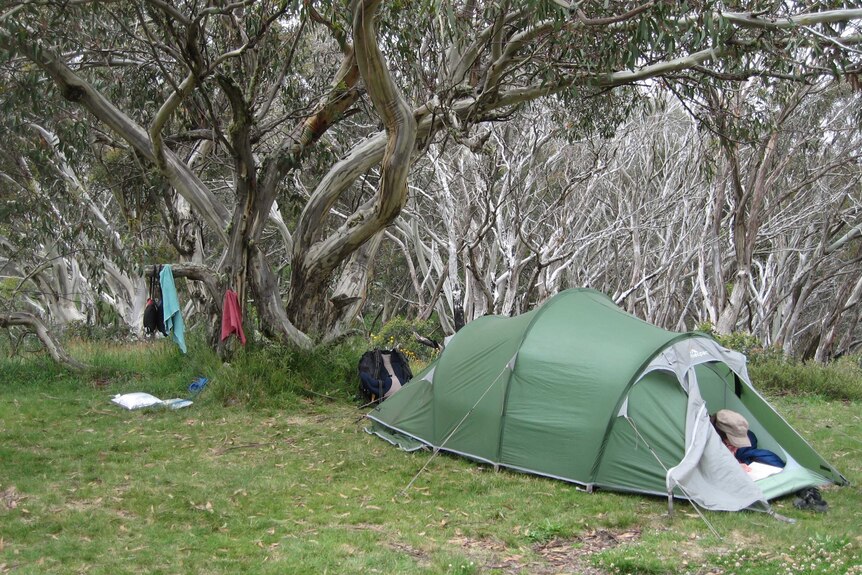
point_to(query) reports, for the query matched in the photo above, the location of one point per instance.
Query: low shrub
(398, 332)
(740, 341)
(32, 371)
(840, 379)
(776, 373)
(274, 375)
(109, 332)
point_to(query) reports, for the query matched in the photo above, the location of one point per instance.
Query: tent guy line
(463, 419)
(670, 497)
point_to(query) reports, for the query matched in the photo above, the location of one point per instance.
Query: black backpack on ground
(374, 380)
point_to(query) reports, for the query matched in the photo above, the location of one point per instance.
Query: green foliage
(277, 375)
(545, 531)
(33, 371)
(740, 341)
(112, 331)
(625, 561)
(20, 342)
(398, 332)
(458, 565)
(839, 380)
(820, 555)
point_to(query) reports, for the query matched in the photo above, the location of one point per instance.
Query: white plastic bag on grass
(137, 400)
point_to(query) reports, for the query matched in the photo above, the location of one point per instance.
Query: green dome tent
(582, 391)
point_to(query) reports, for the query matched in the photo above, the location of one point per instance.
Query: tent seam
(539, 313)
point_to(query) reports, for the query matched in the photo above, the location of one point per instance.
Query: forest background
(341, 164)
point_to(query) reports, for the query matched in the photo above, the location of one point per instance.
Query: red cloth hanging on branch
(231, 319)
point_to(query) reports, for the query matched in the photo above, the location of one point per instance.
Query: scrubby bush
(398, 332)
(840, 379)
(740, 341)
(109, 332)
(275, 375)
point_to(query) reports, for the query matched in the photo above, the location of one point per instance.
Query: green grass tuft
(839, 380)
(275, 375)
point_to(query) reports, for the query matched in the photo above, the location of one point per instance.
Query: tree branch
(54, 348)
(77, 90)
(752, 20)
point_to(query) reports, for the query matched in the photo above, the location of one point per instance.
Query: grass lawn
(86, 487)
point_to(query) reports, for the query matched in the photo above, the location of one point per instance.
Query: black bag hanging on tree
(154, 318)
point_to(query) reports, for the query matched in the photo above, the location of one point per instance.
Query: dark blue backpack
(374, 380)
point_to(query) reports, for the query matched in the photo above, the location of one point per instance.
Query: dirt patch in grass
(101, 382)
(559, 555)
(573, 555)
(10, 497)
(419, 556)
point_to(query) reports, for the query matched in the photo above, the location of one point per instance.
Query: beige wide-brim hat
(734, 426)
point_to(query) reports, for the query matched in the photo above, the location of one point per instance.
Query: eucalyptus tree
(785, 178)
(507, 222)
(287, 96)
(67, 244)
(644, 216)
(814, 231)
(40, 259)
(655, 188)
(770, 211)
(523, 210)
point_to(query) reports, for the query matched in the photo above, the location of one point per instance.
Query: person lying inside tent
(733, 429)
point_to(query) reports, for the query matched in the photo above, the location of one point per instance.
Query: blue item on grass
(198, 385)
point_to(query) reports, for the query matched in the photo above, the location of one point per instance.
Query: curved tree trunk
(351, 291)
(38, 326)
(316, 261)
(846, 298)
